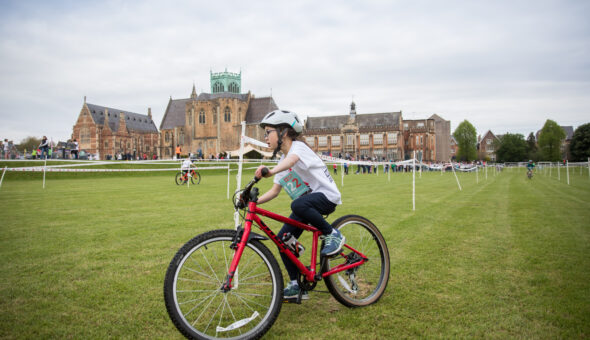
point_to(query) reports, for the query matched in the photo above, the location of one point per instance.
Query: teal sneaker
(333, 243)
(292, 291)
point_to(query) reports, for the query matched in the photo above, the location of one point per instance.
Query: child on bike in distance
(307, 180)
(186, 166)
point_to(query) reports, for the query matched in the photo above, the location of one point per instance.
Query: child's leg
(287, 228)
(311, 208)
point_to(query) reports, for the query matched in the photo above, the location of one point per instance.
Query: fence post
(414, 182)
(3, 172)
(567, 169)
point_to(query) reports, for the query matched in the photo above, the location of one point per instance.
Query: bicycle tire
(196, 177)
(178, 179)
(194, 278)
(370, 279)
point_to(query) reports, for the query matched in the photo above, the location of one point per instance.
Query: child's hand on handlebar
(262, 171)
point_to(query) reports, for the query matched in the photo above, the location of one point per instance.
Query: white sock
(294, 283)
(334, 232)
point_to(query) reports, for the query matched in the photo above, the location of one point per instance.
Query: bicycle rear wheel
(196, 177)
(363, 285)
(178, 179)
(201, 310)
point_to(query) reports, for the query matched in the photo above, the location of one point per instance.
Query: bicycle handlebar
(244, 197)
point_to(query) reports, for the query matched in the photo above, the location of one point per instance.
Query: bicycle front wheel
(363, 285)
(178, 179)
(196, 178)
(197, 305)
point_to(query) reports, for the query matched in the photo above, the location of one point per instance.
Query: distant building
(106, 132)
(486, 146)
(210, 123)
(379, 135)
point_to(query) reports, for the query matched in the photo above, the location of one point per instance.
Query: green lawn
(507, 257)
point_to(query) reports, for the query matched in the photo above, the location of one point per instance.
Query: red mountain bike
(181, 177)
(227, 283)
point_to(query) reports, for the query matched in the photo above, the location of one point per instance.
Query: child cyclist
(316, 197)
(187, 164)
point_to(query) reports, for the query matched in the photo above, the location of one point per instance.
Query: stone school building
(210, 123)
(107, 132)
(381, 136)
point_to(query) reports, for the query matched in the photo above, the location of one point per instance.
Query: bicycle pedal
(292, 300)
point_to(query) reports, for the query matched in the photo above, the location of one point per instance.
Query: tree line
(513, 147)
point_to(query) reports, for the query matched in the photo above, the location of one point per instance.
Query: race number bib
(294, 185)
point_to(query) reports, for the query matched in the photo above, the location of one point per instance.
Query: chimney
(150, 112)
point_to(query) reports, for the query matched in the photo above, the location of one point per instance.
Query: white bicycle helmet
(282, 117)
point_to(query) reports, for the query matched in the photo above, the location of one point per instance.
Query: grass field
(507, 257)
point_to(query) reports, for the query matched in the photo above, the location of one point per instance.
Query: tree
(28, 144)
(466, 138)
(531, 142)
(550, 141)
(580, 145)
(512, 148)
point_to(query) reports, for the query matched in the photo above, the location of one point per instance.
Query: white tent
(248, 148)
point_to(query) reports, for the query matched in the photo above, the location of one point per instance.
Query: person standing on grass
(44, 147)
(317, 194)
(6, 149)
(75, 149)
(178, 150)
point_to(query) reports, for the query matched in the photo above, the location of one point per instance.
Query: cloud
(502, 65)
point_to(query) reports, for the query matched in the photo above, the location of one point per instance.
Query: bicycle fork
(239, 250)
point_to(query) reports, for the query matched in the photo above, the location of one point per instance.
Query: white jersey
(186, 165)
(312, 171)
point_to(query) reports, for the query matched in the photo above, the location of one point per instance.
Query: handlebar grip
(264, 171)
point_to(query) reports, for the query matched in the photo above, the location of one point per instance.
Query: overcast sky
(506, 66)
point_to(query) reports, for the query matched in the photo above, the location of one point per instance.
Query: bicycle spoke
(209, 264)
(245, 301)
(232, 314)
(212, 317)
(253, 269)
(198, 272)
(212, 296)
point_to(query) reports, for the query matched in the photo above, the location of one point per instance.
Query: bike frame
(309, 274)
(185, 175)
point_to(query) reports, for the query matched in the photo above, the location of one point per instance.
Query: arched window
(202, 117)
(190, 118)
(214, 115)
(227, 115)
(84, 136)
(217, 87)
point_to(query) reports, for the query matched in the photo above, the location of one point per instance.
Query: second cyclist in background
(530, 166)
(187, 164)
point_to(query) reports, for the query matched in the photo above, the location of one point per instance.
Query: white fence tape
(52, 169)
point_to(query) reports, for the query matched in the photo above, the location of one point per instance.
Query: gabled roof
(174, 115)
(258, 108)
(489, 133)
(362, 120)
(437, 118)
(133, 121)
